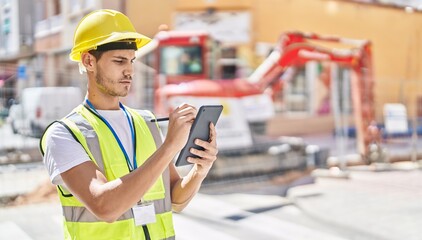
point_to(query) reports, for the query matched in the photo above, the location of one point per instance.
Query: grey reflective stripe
(91, 138)
(81, 214)
(156, 134)
(164, 205)
(152, 126)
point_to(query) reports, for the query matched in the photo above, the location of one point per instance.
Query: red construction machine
(186, 67)
(296, 49)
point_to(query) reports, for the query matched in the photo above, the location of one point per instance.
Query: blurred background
(320, 133)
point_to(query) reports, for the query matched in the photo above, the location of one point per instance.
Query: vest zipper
(146, 232)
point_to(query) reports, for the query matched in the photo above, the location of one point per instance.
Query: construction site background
(395, 32)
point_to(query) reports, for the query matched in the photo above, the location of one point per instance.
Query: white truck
(40, 106)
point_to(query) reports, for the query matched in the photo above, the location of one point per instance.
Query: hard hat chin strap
(82, 68)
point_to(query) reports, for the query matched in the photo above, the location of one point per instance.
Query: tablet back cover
(200, 129)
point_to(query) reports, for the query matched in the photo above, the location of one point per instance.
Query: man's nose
(128, 72)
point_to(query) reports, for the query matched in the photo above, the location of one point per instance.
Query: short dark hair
(124, 44)
(97, 54)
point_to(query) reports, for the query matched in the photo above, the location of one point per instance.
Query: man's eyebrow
(124, 58)
(121, 57)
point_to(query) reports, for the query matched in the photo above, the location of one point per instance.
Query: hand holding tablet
(200, 129)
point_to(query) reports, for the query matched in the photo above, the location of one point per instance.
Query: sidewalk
(397, 149)
(369, 205)
(15, 148)
(21, 178)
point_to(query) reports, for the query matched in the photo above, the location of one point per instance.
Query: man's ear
(89, 61)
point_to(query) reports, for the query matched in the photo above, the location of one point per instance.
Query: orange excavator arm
(296, 48)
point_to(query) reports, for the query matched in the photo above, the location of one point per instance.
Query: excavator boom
(296, 49)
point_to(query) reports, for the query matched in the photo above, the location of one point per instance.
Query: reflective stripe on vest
(76, 216)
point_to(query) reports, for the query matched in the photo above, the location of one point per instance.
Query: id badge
(144, 213)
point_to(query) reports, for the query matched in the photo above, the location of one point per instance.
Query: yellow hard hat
(103, 26)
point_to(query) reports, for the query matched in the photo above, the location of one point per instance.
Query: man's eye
(118, 61)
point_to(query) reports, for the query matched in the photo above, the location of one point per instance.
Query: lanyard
(128, 117)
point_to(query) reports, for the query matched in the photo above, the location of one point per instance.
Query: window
(56, 7)
(6, 26)
(181, 60)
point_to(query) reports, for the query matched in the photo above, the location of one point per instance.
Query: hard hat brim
(141, 40)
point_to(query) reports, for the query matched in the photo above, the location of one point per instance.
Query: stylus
(160, 119)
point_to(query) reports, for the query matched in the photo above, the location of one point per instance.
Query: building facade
(394, 30)
(54, 38)
(37, 35)
(16, 47)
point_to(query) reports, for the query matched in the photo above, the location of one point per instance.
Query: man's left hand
(206, 157)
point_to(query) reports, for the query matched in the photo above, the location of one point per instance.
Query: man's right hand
(180, 122)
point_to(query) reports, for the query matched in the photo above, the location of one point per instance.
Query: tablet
(200, 129)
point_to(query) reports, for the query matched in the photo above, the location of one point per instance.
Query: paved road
(15, 148)
(368, 205)
(397, 147)
(221, 219)
(251, 211)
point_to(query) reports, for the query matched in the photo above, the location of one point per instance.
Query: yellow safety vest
(101, 146)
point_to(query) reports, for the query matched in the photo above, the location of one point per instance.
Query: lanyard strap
(128, 117)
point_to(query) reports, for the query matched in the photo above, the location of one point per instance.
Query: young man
(115, 176)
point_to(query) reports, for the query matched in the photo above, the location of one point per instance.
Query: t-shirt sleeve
(62, 153)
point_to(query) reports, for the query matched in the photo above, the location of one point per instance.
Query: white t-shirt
(63, 152)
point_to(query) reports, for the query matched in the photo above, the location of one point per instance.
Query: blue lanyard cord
(128, 117)
(132, 131)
